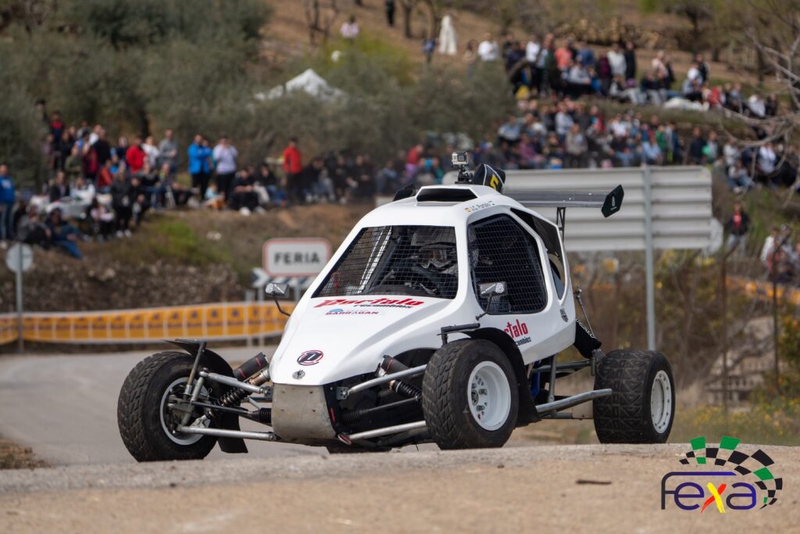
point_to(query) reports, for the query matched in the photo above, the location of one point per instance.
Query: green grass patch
(394, 59)
(177, 240)
(776, 423)
(166, 238)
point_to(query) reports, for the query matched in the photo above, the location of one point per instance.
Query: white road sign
(296, 257)
(13, 257)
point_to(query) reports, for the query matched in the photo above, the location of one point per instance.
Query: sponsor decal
(480, 206)
(371, 303)
(518, 331)
(721, 478)
(310, 357)
(342, 311)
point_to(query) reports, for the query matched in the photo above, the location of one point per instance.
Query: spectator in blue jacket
(200, 164)
(7, 199)
(64, 235)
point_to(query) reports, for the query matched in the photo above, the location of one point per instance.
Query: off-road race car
(440, 319)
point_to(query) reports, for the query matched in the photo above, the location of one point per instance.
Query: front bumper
(300, 414)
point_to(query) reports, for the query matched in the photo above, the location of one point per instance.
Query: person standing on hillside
(448, 41)
(7, 199)
(616, 58)
(293, 167)
(350, 29)
(630, 62)
(532, 49)
(488, 50)
(737, 227)
(200, 164)
(135, 156)
(168, 151)
(225, 156)
(151, 152)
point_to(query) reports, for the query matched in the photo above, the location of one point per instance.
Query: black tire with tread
(444, 395)
(138, 415)
(624, 416)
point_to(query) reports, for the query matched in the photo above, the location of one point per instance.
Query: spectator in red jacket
(293, 165)
(135, 156)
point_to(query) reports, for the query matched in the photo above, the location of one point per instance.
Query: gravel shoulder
(595, 488)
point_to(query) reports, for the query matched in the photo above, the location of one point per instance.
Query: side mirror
(277, 291)
(493, 289)
(490, 291)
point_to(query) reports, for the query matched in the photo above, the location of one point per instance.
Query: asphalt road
(64, 407)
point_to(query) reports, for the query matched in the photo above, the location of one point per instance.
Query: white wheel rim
(178, 437)
(489, 396)
(661, 402)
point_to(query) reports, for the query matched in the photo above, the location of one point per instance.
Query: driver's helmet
(436, 248)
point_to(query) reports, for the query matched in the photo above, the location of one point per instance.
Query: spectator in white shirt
(767, 159)
(151, 152)
(224, 156)
(532, 50)
(732, 154)
(563, 121)
(488, 50)
(616, 59)
(757, 107)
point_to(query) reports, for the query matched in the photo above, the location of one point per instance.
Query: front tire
(469, 396)
(146, 424)
(641, 408)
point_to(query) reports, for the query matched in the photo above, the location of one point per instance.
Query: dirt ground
(570, 488)
(287, 34)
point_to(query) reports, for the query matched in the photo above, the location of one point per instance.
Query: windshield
(397, 260)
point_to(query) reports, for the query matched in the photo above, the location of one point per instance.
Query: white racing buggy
(439, 319)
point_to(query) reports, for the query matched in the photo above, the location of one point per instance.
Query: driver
(436, 260)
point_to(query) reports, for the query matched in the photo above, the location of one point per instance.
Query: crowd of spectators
(100, 189)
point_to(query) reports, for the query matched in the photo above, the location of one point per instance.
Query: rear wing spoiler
(609, 203)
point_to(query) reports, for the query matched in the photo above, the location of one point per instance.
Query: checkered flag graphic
(756, 464)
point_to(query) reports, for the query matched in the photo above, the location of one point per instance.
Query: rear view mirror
(490, 291)
(493, 289)
(276, 290)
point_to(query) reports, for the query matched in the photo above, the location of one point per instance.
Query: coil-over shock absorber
(236, 395)
(390, 365)
(405, 389)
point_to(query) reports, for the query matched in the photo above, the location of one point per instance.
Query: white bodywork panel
(353, 333)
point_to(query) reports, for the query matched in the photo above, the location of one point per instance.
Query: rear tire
(146, 424)
(641, 408)
(469, 396)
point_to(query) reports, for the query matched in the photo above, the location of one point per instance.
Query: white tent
(310, 82)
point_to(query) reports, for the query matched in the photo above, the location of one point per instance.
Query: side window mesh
(397, 260)
(501, 251)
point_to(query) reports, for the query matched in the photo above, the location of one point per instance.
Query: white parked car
(439, 319)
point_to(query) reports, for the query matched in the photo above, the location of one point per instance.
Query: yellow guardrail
(223, 321)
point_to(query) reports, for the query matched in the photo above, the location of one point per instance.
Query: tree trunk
(407, 21)
(435, 17)
(761, 66)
